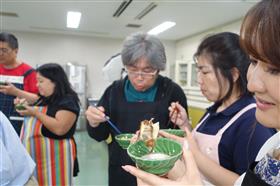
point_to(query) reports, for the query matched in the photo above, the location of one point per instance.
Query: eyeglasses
(4, 51)
(135, 73)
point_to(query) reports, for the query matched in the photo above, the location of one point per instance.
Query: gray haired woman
(142, 94)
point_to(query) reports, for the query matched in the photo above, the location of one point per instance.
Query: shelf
(185, 76)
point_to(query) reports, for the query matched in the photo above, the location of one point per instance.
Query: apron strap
(28, 72)
(241, 112)
(205, 117)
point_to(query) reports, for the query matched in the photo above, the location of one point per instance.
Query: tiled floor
(93, 161)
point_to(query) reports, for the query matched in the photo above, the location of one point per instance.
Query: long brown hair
(260, 32)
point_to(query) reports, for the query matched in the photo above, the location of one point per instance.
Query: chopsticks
(169, 121)
(107, 118)
(112, 125)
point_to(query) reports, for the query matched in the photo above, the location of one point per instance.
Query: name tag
(16, 118)
(11, 79)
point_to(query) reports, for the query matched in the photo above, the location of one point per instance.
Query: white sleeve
(7, 173)
(16, 165)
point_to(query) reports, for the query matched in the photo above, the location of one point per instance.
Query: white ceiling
(97, 20)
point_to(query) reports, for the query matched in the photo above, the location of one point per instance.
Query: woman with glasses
(228, 137)
(143, 94)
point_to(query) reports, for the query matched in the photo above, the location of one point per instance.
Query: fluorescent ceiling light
(162, 27)
(73, 19)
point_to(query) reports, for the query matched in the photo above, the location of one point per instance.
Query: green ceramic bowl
(124, 139)
(139, 150)
(20, 107)
(177, 132)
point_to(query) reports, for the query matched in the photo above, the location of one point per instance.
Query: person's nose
(199, 78)
(37, 84)
(255, 82)
(140, 75)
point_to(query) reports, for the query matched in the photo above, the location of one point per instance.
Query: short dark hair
(10, 39)
(57, 75)
(260, 32)
(224, 52)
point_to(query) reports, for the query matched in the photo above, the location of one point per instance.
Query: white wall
(39, 48)
(185, 49)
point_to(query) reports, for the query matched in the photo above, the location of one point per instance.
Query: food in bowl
(163, 157)
(149, 132)
(155, 156)
(20, 106)
(124, 139)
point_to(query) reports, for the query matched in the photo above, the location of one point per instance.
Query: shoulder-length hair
(57, 75)
(260, 32)
(224, 52)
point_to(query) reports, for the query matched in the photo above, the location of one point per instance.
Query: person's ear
(235, 74)
(15, 51)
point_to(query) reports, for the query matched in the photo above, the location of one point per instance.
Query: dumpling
(149, 132)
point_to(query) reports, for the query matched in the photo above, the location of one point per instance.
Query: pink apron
(209, 144)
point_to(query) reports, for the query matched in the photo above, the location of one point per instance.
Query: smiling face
(264, 81)
(208, 80)
(45, 86)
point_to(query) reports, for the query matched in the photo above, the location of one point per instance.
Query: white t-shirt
(271, 143)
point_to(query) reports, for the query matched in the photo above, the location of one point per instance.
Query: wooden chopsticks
(175, 111)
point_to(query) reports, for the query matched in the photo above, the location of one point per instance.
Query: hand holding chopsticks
(96, 115)
(178, 115)
(112, 125)
(173, 114)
